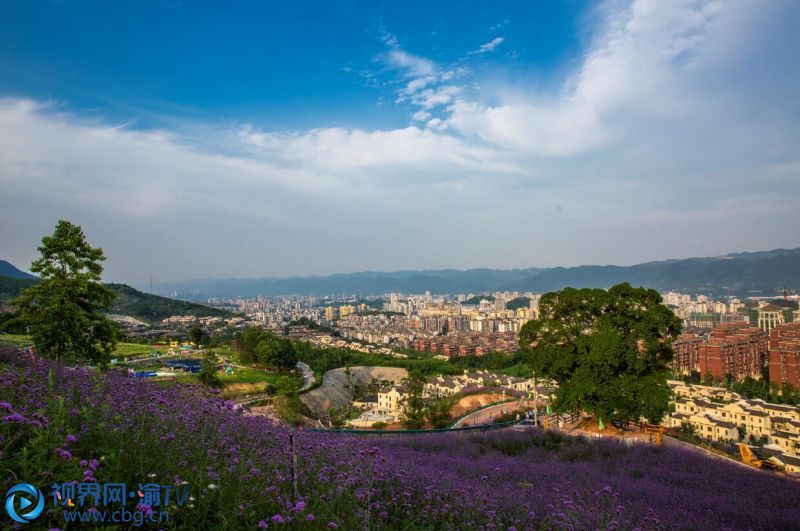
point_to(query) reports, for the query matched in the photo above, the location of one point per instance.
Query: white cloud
(421, 116)
(645, 68)
(676, 134)
(341, 151)
(488, 46)
(413, 66)
(426, 84)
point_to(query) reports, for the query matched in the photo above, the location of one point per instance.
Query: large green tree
(276, 352)
(608, 351)
(263, 346)
(64, 310)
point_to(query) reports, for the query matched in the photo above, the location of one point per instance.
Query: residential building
(736, 349)
(720, 415)
(330, 313)
(687, 353)
(784, 354)
(392, 399)
(770, 316)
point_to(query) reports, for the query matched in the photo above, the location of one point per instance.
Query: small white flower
(212, 486)
(191, 498)
(151, 475)
(191, 506)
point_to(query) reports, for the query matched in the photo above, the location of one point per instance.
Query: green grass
(125, 350)
(249, 376)
(15, 340)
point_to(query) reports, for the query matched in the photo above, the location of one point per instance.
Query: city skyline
(273, 141)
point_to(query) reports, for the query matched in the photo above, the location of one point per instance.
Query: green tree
(414, 406)
(64, 310)
(276, 352)
(752, 388)
(728, 380)
(789, 394)
(197, 334)
(438, 413)
(263, 346)
(608, 351)
(246, 342)
(208, 369)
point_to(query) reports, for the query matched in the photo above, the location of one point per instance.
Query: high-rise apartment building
(737, 349)
(784, 354)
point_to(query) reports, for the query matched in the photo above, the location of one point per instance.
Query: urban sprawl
(723, 341)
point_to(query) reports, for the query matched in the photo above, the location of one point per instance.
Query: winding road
(308, 375)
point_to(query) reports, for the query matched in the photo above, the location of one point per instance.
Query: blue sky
(271, 139)
(288, 64)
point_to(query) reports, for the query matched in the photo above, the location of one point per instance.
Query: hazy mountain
(364, 283)
(739, 274)
(8, 270)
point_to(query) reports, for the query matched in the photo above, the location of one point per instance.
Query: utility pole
(535, 401)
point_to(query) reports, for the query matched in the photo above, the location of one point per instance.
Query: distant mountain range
(365, 283)
(738, 274)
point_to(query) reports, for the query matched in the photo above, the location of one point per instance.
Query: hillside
(246, 472)
(10, 288)
(739, 274)
(152, 308)
(127, 301)
(8, 270)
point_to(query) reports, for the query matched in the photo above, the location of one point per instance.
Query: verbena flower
(63, 454)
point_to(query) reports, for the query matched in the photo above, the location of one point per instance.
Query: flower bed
(246, 471)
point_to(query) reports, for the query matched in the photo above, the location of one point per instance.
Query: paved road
(308, 375)
(487, 415)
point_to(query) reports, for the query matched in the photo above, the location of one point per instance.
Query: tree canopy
(64, 310)
(197, 334)
(608, 350)
(414, 406)
(255, 344)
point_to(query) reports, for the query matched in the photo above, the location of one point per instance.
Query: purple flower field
(245, 472)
